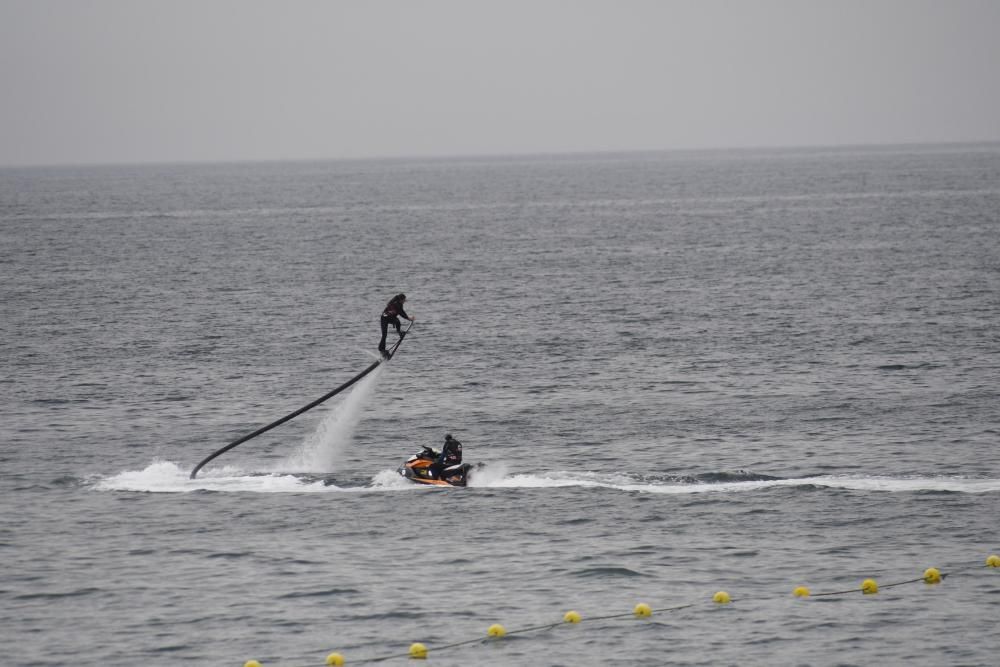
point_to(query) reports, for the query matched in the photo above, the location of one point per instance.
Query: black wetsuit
(451, 455)
(393, 310)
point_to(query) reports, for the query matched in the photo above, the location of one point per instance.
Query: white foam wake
(860, 483)
(168, 477)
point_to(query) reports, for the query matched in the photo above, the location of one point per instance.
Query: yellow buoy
(495, 630)
(801, 592)
(335, 660)
(869, 587)
(571, 617)
(932, 576)
(251, 663)
(642, 610)
(722, 597)
(418, 651)
(993, 561)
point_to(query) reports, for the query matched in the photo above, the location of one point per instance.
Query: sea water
(682, 373)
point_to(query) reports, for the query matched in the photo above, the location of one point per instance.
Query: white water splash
(168, 477)
(488, 475)
(390, 479)
(323, 448)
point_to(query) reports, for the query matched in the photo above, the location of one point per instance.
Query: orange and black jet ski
(420, 468)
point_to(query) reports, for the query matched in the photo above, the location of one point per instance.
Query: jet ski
(418, 469)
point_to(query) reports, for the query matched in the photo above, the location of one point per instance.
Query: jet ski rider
(451, 455)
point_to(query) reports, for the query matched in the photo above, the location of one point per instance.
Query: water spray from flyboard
(323, 449)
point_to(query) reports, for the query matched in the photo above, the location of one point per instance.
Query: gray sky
(94, 81)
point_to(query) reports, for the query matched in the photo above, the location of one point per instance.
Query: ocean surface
(682, 373)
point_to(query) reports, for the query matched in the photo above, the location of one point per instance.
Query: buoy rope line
(928, 578)
(931, 576)
(855, 590)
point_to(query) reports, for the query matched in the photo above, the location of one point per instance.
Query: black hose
(292, 415)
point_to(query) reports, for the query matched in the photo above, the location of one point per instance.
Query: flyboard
(304, 408)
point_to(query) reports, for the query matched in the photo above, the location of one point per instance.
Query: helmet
(447, 437)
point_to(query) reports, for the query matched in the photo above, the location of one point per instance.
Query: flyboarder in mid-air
(393, 311)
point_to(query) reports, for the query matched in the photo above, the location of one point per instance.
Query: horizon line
(514, 155)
